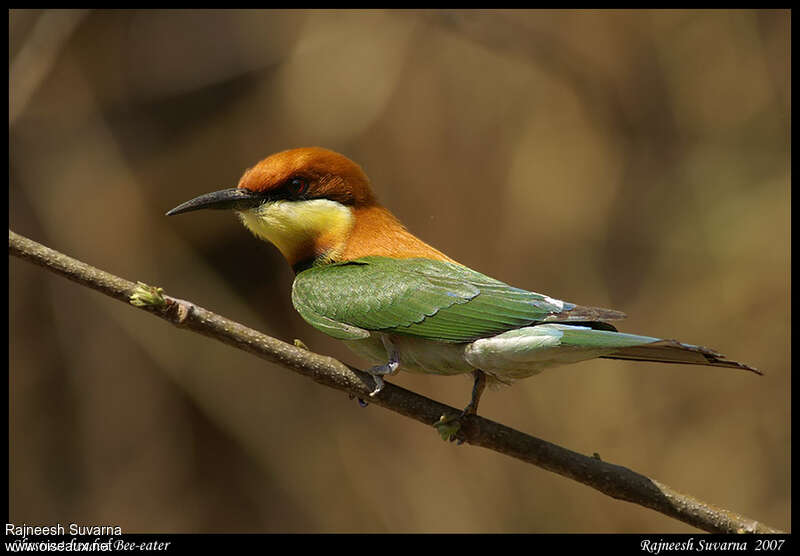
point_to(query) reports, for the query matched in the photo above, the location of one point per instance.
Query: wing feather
(427, 298)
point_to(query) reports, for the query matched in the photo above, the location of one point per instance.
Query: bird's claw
(379, 384)
(379, 371)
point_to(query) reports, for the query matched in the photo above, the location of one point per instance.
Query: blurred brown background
(634, 160)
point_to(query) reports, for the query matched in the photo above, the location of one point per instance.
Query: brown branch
(613, 480)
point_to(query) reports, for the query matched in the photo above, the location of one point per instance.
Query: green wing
(431, 299)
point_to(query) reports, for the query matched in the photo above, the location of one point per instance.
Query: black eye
(298, 187)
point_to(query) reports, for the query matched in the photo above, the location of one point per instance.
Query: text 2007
(769, 544)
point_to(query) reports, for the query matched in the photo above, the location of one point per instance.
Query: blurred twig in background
(32, 63)
(613, 480)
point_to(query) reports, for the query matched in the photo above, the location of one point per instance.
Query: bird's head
(300, 200)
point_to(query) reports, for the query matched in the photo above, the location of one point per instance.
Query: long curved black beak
(230, 199)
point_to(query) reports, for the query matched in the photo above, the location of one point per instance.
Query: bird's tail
(644, 348)
(672, 351)
(522, 352)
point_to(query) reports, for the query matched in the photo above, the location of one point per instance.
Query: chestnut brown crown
(310, 173)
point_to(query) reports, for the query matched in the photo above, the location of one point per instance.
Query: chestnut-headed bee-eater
(362, 277)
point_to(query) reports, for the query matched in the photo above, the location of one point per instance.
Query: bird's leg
(389, 368)
(477, 390)
(449, 426)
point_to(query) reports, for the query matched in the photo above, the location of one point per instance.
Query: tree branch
(613, 480)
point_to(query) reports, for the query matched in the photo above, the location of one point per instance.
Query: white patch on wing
(557, 302)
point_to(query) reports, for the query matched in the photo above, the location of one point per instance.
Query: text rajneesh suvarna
(767, 544)
(85, 538)
(75, 545)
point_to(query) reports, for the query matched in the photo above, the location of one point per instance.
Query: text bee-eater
(362, 277)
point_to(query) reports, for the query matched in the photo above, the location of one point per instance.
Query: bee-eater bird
(362, 277)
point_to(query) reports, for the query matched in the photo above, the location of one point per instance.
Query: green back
(431, 299)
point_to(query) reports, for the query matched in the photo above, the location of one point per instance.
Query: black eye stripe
(292, 189)
(298, 188)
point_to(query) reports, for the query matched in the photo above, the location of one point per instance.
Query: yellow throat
(301, 229)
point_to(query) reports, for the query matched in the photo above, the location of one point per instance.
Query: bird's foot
(389, 368)
(448, 427)
(379, 371)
